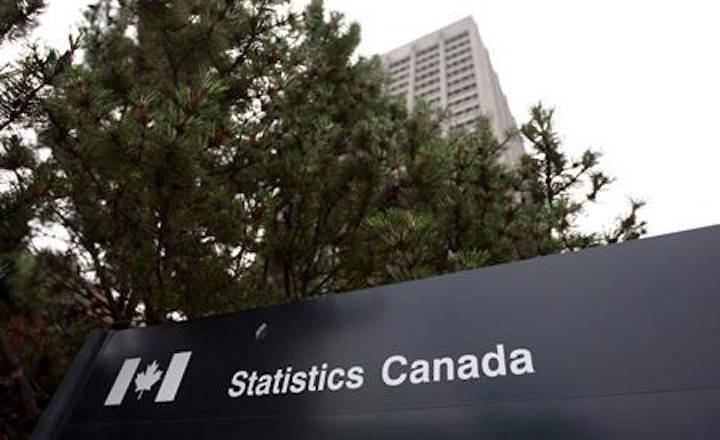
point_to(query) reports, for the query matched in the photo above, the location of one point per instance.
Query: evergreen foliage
(17, 17)
(27, 321)
(211, 156)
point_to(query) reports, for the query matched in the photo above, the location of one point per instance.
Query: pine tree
(212, 156)
(206, 157)
(25, 342)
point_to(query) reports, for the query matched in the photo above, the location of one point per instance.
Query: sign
(610, 343)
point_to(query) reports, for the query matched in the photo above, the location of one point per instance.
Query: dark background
(625, 342)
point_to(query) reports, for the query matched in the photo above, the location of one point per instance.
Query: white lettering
(449, 369)
(420, 372)
(332, 384)
(389, 381)
(468, 367)
(521, 362)
(499, 360)
(238, 384)
(355, 378)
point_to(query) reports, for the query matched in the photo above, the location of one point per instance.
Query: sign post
(610, 343)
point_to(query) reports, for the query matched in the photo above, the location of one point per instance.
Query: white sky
(639, 80)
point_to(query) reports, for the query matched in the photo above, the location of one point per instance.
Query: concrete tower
(451, 69)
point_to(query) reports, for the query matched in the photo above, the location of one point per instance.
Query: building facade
(450, 69)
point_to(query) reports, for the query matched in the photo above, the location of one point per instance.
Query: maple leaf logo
(146, 379)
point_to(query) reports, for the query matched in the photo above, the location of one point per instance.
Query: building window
(428, 50)
(461, 90)
(456, 37)
(463, 100)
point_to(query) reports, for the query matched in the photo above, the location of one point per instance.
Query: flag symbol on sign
(145, 380)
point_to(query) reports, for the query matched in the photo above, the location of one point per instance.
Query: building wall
(451, 69)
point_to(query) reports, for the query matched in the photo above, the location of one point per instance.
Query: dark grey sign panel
(610, 343)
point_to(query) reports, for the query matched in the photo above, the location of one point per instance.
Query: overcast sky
(638, 80)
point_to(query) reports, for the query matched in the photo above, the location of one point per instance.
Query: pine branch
(17, 18)
(21, 87)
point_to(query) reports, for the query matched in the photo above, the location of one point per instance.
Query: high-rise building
(450, 69)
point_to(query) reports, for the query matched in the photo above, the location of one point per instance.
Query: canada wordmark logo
(145, 379)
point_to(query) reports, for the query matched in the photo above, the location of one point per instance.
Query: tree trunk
(17, 374)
